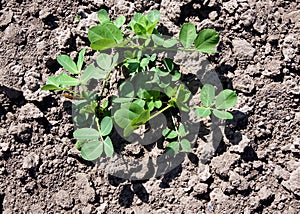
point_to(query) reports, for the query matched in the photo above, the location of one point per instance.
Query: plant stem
(159, 112)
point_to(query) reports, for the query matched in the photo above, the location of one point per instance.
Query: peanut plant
(139, 100)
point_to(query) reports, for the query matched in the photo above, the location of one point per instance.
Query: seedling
(139, 100)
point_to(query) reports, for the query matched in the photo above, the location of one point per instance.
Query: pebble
(64, 199)
(30, 161)
(265, 194)
(243, 49)
(293, 184)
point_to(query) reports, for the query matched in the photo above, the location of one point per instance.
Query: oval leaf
(108, 147)
(185, 145)
(202, 111)
(120, 21)
(103, 16)
(86, 133)
(65, 80)
(173, 148)
(106, 126)
(67, 63)
(187, 34)
(169, 133)
(182, 130)
(207, 95)
(91, 72)
(222, 114)
(207, 40)
(80, 59)
(91, 150)
(226, 99)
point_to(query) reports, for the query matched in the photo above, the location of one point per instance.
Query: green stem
(99, 129)
(159, 112)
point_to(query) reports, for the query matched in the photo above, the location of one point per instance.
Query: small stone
(244, 83)
(4, 147)
(86, 192)
(213, 15)
(6, 18)
(242, 49)
(281, 173)
(30, 161)
(102, 208)
(240, 148)
(223, 163)
(273, 68)
(293, 184)
(29, 112)
(230, 6)
(200, 188)
(64, 199)
(204, 173)
(265, 194)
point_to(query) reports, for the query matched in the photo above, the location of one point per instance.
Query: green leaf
(80, 59)
(102, 44)
(173, 146)
(104, 61)
(222, 114)
(150, 105)
(226, 99)
(125, 115)
(207, 40)
(140, 102)
(50, 87)
(128, 130)
(158, 104)
(139, 29)
(67, 63)
(106, 31)
(52, 81)
(181, 130)
(65, 80)
(86, 133)
(120, 21)
(202, 111)
(106, 126)
(142, 118)
(207, 95)
(108, 147)
(170, 43)
(158, 40)
(176, 76)
(153, 16)
(187, 34)
(185, 145)
(103, 16)
(91, 72)
(126, 89)
(169, 133)
(122, 100)
(182, 94)
(91, 150)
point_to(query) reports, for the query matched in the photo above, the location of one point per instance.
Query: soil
(256, 167)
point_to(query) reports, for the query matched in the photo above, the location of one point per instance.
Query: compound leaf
(102, 44)
(153, 16)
